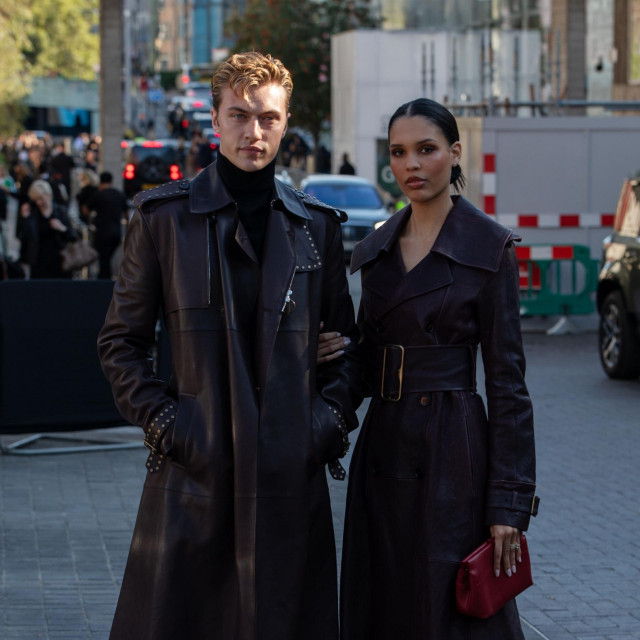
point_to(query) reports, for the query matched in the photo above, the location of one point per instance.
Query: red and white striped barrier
(489, 183)
(533, 220)
(555, 220)
(545, 252)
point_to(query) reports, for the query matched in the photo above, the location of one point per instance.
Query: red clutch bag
(478, 592)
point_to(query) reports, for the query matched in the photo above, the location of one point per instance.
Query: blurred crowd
(51, 196)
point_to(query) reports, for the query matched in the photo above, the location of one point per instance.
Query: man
(346, 168)
(234, 536)
(110, 207)
(60, 167)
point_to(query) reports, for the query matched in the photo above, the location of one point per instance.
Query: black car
(149, 164)
(618, 297)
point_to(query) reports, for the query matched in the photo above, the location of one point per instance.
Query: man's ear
(286, 126)
(214, 120)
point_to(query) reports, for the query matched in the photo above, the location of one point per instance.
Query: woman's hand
(331, 345)
(57, 225)
(25, 210)
(506, 549)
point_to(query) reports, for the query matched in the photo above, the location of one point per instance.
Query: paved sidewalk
(66, 520)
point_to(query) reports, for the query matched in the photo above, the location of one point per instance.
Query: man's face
(251, 129)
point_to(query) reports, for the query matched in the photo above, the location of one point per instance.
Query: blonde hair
(40, 188)
(245, 71)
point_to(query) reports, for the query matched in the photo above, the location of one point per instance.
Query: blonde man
(234, 537)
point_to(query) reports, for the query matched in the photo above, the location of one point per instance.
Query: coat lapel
(278, 269)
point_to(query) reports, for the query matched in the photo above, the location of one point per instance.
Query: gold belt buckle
(392, 398)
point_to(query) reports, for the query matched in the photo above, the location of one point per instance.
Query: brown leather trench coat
(234, 535)
(431, 471)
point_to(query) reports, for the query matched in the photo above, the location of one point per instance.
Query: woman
(43, 230)
(432, 477)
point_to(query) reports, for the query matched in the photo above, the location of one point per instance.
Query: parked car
(618, 295)
(358, 197)
(149, 164)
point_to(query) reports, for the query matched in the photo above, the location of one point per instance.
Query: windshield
(346, 196)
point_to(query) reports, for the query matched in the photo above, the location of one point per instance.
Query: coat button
(380, 328)
(184, 184)
(419, 472)
(425, 400)
(429, 327)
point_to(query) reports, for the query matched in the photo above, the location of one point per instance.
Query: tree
(43, 37)
(298, 32)
(14, 70)
(63, 38)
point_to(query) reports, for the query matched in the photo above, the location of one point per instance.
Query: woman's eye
(396, 152)
(426, 150)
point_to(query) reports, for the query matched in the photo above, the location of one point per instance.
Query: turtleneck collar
(237, 180)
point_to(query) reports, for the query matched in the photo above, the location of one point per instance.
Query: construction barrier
(556, 280)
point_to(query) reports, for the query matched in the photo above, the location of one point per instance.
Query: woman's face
(43, 202)
(421, 158)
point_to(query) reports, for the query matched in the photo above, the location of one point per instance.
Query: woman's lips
(415, 182)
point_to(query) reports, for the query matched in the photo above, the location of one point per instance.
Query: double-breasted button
(380, 328)
(184, 184)
(419, 472)
(429, 326)
(425, 400)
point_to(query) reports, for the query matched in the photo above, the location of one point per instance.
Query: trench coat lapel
(278, 270)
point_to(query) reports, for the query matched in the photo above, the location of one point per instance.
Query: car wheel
(618, 338)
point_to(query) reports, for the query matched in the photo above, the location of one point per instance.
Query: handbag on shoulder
(478, 592)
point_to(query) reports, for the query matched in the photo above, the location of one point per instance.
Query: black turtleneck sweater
(252, 192)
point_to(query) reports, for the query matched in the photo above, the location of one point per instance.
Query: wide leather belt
(403, 369)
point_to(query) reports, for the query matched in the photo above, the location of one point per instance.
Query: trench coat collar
(208, 194)
(468, 237)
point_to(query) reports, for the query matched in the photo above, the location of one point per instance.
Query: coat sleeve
(128, 335)
(510, 490)
(338, 381)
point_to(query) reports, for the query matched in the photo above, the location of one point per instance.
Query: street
(66, 520)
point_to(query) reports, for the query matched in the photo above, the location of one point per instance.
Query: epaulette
(167, 191)
(312, 201)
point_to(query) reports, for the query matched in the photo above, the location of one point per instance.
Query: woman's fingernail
(497, 574)
(513, 568)
(509, 572)
(347, 340)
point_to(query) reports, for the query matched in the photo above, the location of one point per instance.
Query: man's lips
(251, 149)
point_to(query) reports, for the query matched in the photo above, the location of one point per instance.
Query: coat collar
(208, 194)
(468, 236)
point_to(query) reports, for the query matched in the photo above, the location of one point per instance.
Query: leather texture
(234, 536)
(426, 469)
(479, 593)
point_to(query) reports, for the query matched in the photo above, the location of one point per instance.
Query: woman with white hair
(44, 229)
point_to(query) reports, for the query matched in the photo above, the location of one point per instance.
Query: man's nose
(253, 129)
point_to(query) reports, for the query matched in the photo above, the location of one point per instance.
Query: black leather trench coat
(234, 536)
(432, 471)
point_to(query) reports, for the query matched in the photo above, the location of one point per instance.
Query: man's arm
(339, 381)
(128, 335)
